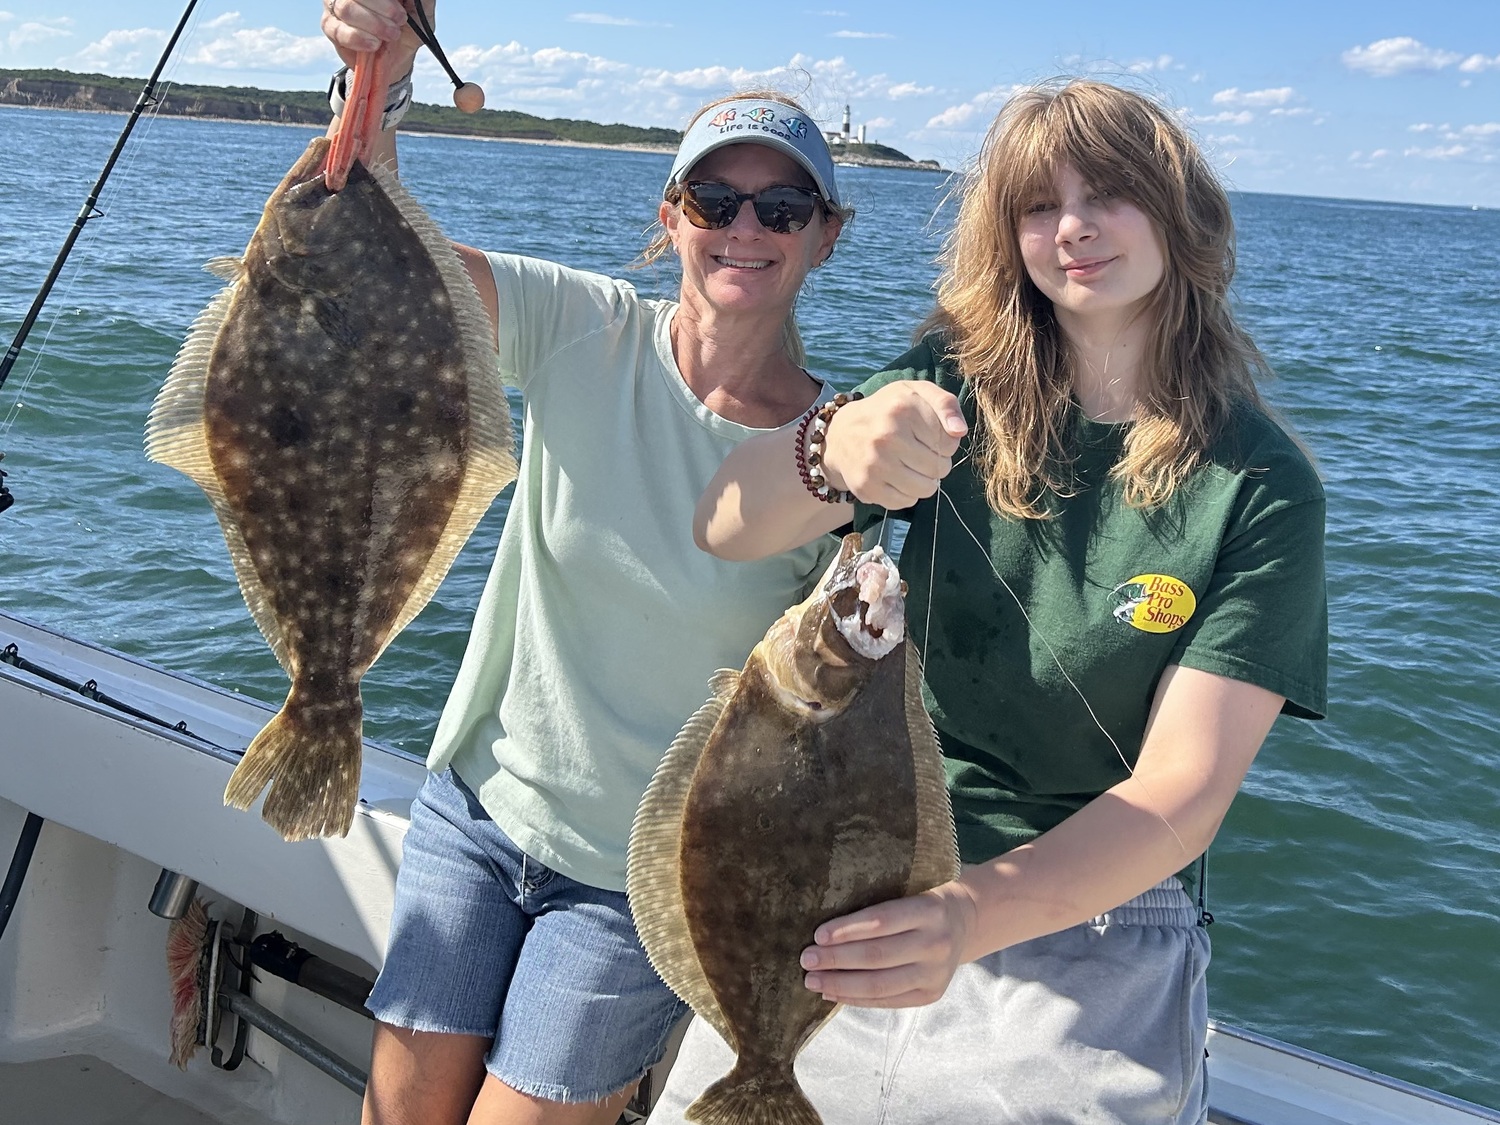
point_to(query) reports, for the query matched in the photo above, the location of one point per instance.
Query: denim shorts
(1104, 1022)
(487, 941)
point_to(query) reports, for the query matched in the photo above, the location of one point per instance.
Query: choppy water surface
(1355, 881)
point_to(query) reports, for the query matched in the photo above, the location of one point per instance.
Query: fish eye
(845, 602)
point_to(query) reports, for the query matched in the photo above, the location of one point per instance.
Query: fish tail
(310, 754)
(741, 1098)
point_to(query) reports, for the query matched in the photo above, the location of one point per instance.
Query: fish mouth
(821, 652)
(866, 598)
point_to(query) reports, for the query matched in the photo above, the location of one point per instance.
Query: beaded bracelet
(398, 97)
(812, 433)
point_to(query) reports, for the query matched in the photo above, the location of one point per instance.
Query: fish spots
(285, 427)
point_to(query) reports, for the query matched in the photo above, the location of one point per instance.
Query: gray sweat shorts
(1102, 1023)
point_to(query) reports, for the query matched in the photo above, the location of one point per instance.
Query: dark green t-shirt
(1226, 578)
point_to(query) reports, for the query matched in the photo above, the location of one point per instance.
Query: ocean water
(1355, 881)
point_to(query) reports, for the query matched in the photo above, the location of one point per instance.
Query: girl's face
(1096, 257)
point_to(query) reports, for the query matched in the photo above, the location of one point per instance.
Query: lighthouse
(846, 125)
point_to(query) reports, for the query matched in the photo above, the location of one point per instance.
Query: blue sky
(1375, 100)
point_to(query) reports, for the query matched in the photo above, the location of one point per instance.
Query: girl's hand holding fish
(894, 447)
(898, 954)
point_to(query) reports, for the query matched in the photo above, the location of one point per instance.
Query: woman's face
(744, 268)
(1095, 256)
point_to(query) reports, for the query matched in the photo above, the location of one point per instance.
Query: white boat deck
(85, 1090)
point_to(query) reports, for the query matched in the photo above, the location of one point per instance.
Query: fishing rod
(89, 211)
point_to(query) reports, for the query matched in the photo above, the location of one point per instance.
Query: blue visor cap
(754, 121)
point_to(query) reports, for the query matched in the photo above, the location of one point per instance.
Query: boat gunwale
(202, 744)
(1355, 1071)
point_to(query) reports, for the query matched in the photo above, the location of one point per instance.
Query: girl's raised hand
(895, 447)
(897, 954)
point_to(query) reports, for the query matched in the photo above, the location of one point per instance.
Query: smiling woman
(796, 190)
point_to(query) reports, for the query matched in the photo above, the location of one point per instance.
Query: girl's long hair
(1005, 338)
(660, 242)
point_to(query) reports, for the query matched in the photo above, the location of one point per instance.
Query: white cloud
(121, 51)
(612, 21)
(1486, 134)
(228, 19)
(1294, 111)
(1441, 152)
(956, 117)
(262, 49)
(1144, 66)
(1476, 63)
(38, 32)
(1234, 96)
(909, 90)
(556, 82)
(862, 35)
(1387, 57)
(975, 114)
(1228, 117)
(880, 123)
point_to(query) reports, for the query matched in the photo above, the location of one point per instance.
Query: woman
(1116, 570)
(514, 987)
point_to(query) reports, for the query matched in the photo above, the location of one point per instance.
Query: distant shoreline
(666, 150)
(557, 142)
(100, 93)
(552, 141)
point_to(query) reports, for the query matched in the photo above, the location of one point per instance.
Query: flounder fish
(341, 406)
(808, 786)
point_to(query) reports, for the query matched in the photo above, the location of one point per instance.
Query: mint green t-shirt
(1095, 604)
(601, 621)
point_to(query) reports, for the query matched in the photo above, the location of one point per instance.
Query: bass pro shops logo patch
(1154, 603)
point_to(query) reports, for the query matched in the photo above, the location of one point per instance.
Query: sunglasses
(781, 210)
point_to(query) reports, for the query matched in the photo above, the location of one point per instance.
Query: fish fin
(311, 755)
(177, 436)
(491, 458)
(228, 268)
(653, 880)
(723, 682)
(935, 851)
(762, 1098)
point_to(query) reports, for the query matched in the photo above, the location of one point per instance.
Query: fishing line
(85, 257)
(148, 99)
(1052, 652)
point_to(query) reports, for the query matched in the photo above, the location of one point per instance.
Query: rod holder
(172, 895)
